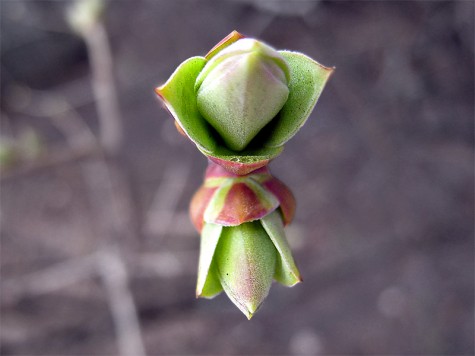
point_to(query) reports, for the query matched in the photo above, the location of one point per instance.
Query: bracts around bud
(243, 244)
(240, 104)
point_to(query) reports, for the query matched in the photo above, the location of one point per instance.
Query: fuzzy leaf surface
(286, 271)
(179, 96)
(307, 80)
(208, 284)
(246, 260)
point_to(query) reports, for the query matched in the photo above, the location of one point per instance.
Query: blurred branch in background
(80, 140)
(124, 311)
(51, 279)
(109, 191)
(384, 169)
(85, 18)
(160, 216)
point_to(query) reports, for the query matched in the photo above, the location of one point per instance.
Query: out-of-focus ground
(98, 257)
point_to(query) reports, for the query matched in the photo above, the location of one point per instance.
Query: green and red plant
(239, 105)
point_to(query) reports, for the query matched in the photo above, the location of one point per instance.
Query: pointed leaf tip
(308, 79)
(245, 260)
(286, 271)
(208, 284)
(225, 42)
(158, 91)
(178, 94)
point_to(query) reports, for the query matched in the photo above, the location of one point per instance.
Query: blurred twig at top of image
(107, 178)
(84, 17)
(283, 7)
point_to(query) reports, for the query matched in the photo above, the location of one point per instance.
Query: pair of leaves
(307, 80)
(243, 260)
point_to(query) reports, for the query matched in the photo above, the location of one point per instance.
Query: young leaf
(307, 80)
(286, 271)
(245, 260)
(207, 285)
(178, 93)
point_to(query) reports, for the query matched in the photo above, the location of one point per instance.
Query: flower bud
(241, 89)
(243, 244)
(230, 200)
(245, 265)
(243, 261)
(243, 101)
(239, 105)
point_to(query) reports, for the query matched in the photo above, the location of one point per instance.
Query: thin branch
(55, 158)
(114, 274)
(166, 264)
(81, 141)
(66, 119)
(51, 279)
(161, 214)
(104, 87)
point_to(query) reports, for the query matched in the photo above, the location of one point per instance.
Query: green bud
(243, 261)
(241, 89)
(239, 105)
(245, 264)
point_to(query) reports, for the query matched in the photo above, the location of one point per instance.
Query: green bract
(243, 261)
(243, 244)
(242, 102)
(242, 89)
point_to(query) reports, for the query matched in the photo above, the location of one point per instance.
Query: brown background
(382, 172)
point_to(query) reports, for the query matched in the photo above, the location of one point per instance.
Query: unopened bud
(241, 89)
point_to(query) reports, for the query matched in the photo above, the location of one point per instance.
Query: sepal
(286, 271)
(208, 285)
(245, 261)
(178, 94)
(307, 81)
(231, 200)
